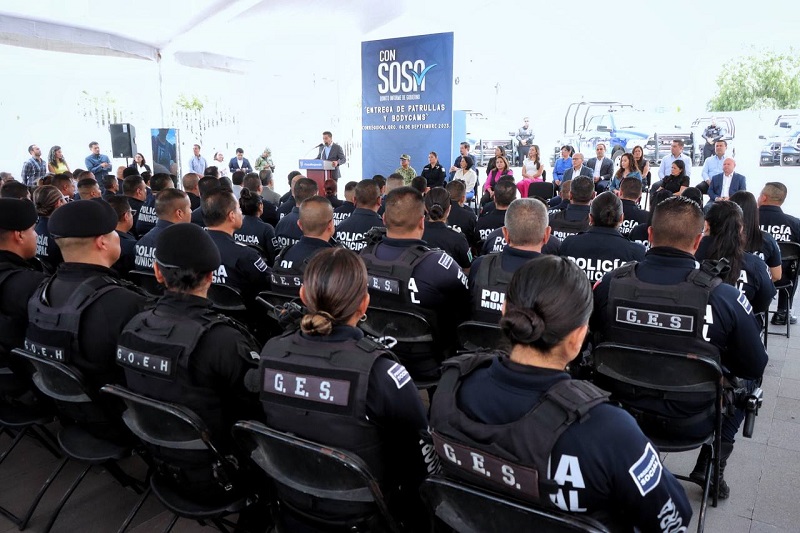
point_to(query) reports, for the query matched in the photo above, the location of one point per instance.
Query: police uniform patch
(399, 375)
(646, 472)
(260, 265)
(445, 260)
(744, 302)
(255, 356)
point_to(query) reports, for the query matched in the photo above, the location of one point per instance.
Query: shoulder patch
(275, 243)
(255, 356)
(646, 472)
(744, 302)
(261, 265)
(399, 375)
(445, 260)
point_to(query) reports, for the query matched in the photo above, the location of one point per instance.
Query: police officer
(560, 202)
(287, 232)
(287, 201)
(405, 274)
(639, 233)
(127, 242)
(505, 191)
(630, 192)
(181, 351)
(498, 419)
(172, 206)
(242, 268)
(269, 213)
(341, 213)
(76, 316)
(525, 232)
(783, 228)
(748, 272)
(205, 186)
(461, 217)
(433, 172)
(601, 248)
(353, 232)
(437, 232)
(147, 213)
(347, 391)
(47, 199)
(496, 242)
(135, 189)
(254, 231)
(20, 273)
(316, 222)
(723, 326)
(575, 218)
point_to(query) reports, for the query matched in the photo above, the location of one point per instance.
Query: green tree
(767, 80)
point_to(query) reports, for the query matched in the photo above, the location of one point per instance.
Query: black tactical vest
(287, 281)
(563, 228)
(669, 317)
(387, 281)
(318, 390)
(53, 331)
(510, 458)
(491, 282)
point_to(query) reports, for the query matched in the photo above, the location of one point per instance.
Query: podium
(318, 170)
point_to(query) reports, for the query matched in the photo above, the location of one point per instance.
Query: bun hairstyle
(437, 203)
(334, 285)
(45, 199)
(249, 202)
(548, 298)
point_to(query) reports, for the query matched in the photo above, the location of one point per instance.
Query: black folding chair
(80, 412)
(542, 189)
(468, 509)
(316, 484)
(226, 299)
(790, 259)
(410, 336)
(147, 282)
(474, 336)
(167, 431)
(627, 370)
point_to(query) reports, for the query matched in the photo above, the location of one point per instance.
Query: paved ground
(764, 472)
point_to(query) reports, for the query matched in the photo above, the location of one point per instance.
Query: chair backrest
(621, 369)
(56, 380)
(226, 299)
(790, 257)
(147, 282)
(405, 327)
(474, 335)
(310, 469)
(160, 423)
(467, 509)
(542, 189)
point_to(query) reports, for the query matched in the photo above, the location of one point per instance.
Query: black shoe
(698, 475)
(779, 319)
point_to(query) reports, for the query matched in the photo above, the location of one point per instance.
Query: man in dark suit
(330, 151)
(578, 169)
(240, 162)
(726, 183)
(602, 168)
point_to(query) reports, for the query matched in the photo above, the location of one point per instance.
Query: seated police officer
(287, 232)
(639, 233)
(269, 212)
(575, 217)
(341, 213)
(287, 200)
(602, 248)
(76, 316)
(183, 352)
(172, 207)
(147, 213)
(316, 222)
(347, 391)
(496, 242)
(525, 231)
(254, 231)
(783, 228)
(205, 186)
(503, 421)
(438, 234)
(127, 242)
(722, 326)
(20, 274)
(630, 192)
(461, 217)
(242, 267)
(505, 191)
(353, 231)
(407, 275)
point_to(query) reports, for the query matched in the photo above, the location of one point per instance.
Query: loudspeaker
(123, 140)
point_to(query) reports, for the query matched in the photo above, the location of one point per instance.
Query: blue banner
(407, 99)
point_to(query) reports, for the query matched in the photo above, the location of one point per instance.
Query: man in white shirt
(602, 168)
(713, 165)
(676, 152)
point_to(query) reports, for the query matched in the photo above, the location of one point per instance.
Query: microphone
(320, 145)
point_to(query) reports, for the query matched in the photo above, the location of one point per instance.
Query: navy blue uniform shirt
(440, 235)
(147, 216)
(145, 249)
(599, 250)
(287, 231)
(286, 207)
(305, 247)
(242, 268)
(632, 216)
(496, 243)
(353, 231)
(463, 219)
(494, 219)
(47, 250)
(255, 232)
(342, 212)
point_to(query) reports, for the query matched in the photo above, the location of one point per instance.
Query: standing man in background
(524, 139)
(330, 151)
(35, 167)
(97, 163)
(198, 162)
